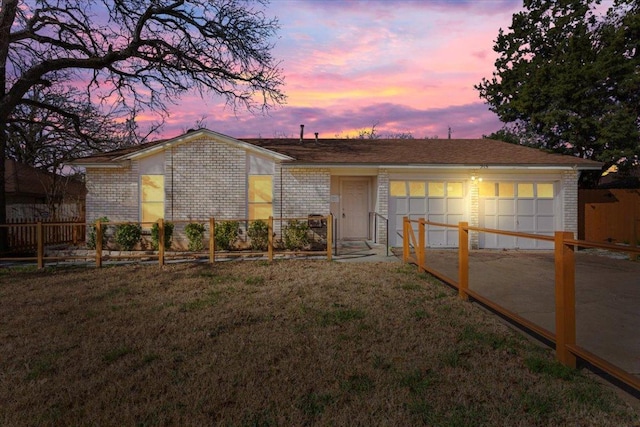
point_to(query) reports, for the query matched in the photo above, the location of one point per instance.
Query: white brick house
(204, 174)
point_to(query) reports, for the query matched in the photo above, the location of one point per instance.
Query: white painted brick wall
(570, 201)
(113, 193)
(205, 179)
(304, 191)
(382, 205)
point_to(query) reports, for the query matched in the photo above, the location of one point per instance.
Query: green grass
(116, 354)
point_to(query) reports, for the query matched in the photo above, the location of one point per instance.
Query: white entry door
(354, 218)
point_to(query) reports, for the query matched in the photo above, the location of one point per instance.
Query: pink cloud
(409, 66)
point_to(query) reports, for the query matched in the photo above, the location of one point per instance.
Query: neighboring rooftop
(26, 180)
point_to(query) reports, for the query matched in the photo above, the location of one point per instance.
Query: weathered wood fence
(22, 234)
(565, 323)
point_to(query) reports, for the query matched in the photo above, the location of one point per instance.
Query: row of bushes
(295, 235)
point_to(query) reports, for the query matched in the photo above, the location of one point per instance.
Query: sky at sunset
(404, 66)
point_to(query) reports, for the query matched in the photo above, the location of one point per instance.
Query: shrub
(195, 234)
(91, 239)
(226, 234)
(127, 235)
(155, 235)
(295, 235)
(258, 232)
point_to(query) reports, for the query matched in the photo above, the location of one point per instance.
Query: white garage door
(528, 207)
(438, 201)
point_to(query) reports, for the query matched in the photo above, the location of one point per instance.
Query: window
(260, 196)
(525, 190)
(436, 189)
(545, 190)
(416, 189)
(486, 189)
(397, 189)
(151, 198)
(454, 189)
(505, 189)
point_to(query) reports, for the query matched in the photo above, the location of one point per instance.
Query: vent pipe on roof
(301, 133)
(316, 134)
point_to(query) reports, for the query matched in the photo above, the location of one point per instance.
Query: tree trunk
(3, 194)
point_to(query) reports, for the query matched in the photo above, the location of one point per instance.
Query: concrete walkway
(363, 251)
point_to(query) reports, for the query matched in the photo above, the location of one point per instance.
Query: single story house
(202, 173)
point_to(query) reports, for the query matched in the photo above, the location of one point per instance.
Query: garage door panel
(436, 236)
(417, 206)
(437, 206)
(544, 206)
(455, 206)
(545, 223)
(490, 207)
(506, 223)
(506, 241)
(526, 206)
(525, 243)
(506, 207)
(401, 206)
(526, 224)
(437, 218)
(454, 219)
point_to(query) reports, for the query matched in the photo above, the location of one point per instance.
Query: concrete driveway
(607, 295)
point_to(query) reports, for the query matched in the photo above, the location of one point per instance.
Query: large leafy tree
(130, 54)
(569, 79)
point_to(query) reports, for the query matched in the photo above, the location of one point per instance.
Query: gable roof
(376, 152)
(117, 157)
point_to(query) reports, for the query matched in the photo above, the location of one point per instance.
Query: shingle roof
(459, 152)
(25, 180)
(417, 152)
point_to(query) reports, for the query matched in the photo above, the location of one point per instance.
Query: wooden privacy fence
(38, 230)
(611, 216)
(21, 234)
(565, 322)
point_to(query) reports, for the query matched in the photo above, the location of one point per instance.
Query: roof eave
(442, 166)
(199, 133)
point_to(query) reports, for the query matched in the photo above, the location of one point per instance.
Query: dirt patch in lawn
(287, 343)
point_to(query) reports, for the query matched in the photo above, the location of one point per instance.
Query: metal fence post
(463, 260)
(565, 295)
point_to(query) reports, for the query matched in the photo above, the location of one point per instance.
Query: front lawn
(289, 343)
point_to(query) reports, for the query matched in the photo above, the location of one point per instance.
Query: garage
(524, 206)
(435, 200)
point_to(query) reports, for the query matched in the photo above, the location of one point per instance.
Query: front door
(354, 218)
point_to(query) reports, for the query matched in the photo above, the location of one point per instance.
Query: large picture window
(260, 196)
(151, 198)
